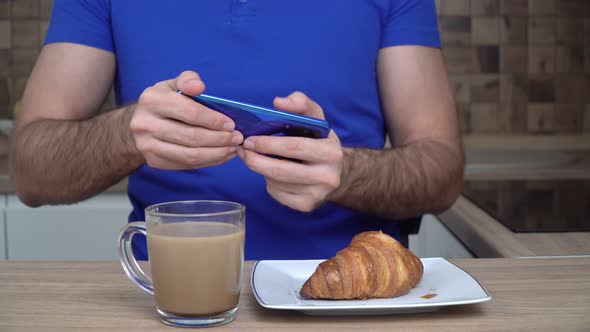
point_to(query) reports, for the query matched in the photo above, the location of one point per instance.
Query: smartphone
(254, 120)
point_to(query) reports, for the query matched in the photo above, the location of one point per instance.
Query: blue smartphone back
(254, 120)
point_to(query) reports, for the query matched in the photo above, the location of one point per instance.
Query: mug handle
(132, 269)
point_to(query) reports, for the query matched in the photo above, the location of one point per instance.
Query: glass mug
(196, 254)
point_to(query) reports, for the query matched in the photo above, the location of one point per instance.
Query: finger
(299, 103)
(200, 115)
(188, 157)
(276, 169)
(188, 81)
(315, 193)
(294, 201)
(300, 148)
(167, 164)
(293, 188)
(169, 104)
(192, 136)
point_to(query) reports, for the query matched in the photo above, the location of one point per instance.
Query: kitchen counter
(527, 200)
(577, 169)
(529, 142)
(532, 294)
(486, 237)
(527, 157)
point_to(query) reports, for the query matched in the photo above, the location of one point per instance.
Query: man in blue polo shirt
(370, 67)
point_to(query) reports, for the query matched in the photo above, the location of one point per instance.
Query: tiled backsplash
(517, 66)
(22, 26)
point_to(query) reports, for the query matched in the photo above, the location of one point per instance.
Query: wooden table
(532, 294)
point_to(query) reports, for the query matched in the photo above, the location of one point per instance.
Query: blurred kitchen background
(522, 68)
(23, 24)
(521, 75)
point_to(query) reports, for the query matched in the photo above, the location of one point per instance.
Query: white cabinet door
(435, 240)
(83, 231)
(2, 227)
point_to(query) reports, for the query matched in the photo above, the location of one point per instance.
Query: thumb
(299, 103)
(189, 82)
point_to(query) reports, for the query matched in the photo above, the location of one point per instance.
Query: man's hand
(300, 185)
(175, 132)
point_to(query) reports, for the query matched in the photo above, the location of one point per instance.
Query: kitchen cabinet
(84, 231)
(435, 240)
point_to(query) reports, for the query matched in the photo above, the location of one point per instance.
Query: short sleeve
(411, 22)
(86, 22)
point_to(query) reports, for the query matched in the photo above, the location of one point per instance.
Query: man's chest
(248, 48)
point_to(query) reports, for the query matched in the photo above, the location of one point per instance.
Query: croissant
(373, 265)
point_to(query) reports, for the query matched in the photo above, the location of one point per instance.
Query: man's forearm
(402, 182)
(62, 161)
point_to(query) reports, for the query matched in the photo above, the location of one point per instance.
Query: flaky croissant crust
(374, 265)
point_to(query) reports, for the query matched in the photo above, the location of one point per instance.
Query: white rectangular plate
(276, 285)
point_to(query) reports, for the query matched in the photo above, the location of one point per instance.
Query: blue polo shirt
(252, 51)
